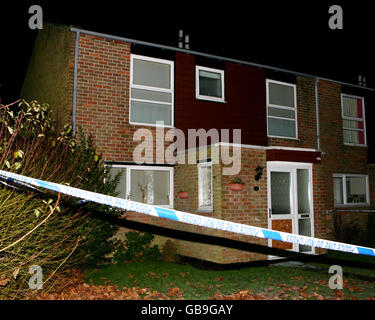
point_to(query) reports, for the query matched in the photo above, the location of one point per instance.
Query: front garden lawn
(268, 282)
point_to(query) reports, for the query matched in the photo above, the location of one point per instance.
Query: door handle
(269, 212)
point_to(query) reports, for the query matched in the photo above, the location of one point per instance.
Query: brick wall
(49, 77)
(103, 95)
(247, 206)
(337, 157)
(103, 84)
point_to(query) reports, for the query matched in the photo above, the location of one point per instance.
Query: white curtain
(205, 186)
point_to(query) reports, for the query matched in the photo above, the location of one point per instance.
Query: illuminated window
(353, 120)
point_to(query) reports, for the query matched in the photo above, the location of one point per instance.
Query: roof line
(211, 56)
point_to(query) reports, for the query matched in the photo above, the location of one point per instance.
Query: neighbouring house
(305, 148)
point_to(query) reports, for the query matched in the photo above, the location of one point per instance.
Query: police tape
(189, 218)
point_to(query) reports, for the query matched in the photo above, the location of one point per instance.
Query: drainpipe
(74, 106)
(317, 113)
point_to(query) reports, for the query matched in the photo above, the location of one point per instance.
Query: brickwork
(337, 157)
(103, 95)
(49, 78)
(103, 84)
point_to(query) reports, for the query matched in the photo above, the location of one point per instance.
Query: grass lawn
(267, 282)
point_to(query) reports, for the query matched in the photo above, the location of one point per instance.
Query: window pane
(121, 187)
(205, 187)
(281, 128)
(352, 136)
(303, 178)
(150, 186)
(162, 189)
(281, 94)
(149, 73)
(353, 124)
(352, 107)
(146, 112)
(338, 191)
(280, 192)
(277, 112)
(151, 95)
(210, 84)
(356, 189)
(304, 228)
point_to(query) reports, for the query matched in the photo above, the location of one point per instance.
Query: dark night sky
(282, 34)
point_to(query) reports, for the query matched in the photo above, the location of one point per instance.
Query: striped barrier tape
(190, 218)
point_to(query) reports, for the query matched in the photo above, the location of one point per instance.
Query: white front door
(290, 202)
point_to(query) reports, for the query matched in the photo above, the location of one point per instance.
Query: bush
(169, 252)
(137, 248)
(42, 228)
(349, 232)
(369, 234)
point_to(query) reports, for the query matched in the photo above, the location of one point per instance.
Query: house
(303, 148)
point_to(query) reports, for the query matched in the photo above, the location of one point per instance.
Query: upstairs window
(209, 84)
(281, 109)
(151, 91)
(353, 120)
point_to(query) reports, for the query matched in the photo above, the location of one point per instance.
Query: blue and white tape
(190, 218)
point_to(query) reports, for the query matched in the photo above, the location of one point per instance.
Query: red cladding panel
(244, 108)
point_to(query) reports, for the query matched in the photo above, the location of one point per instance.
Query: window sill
(285, 138)
(205, 209)
(208, 99)
(351, 205)
(355, 145)
(151, 125)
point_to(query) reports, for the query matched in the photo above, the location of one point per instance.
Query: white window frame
(137, 86)
(345, 203)
(268, 104)
(202, 207)
(354, 119)
(204, 97)
(129, 168)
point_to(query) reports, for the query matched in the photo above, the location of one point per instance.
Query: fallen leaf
(318, 296)
(4, 282)
(15, 273)
(174, 291)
